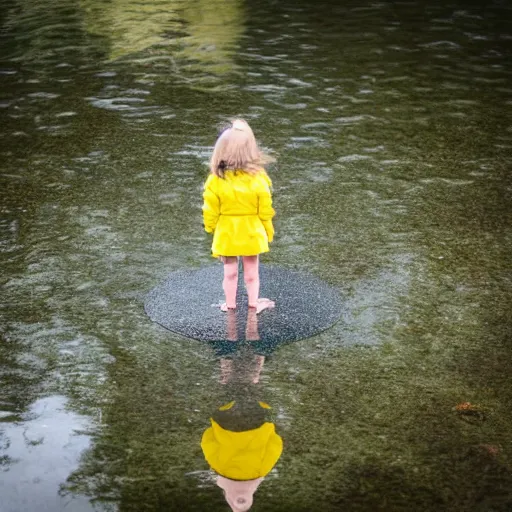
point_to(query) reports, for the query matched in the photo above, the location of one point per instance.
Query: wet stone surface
(187, 303)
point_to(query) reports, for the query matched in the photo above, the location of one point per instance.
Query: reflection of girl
(249, 353)
(237, 209)
(242, 447)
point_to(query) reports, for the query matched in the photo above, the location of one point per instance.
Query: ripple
(461, 102)
(354, 119)
(266, 88)
(449, 181)
(106, 74)
(316, 126)
(441, 44)
(353, 158)
(294, 106)
(300, 142)
(121, 103)
(43, 95)
(299, 83)
(375, 149)
(202, 152)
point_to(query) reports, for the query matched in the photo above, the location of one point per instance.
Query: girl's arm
(265, 210)
(211, 205)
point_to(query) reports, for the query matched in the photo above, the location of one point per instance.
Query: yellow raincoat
(237, 209)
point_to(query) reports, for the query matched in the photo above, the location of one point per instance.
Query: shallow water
(392, 128)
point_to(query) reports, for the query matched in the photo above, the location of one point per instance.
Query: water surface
(391, 123)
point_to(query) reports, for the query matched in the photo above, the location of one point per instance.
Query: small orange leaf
(491, 449)
(465, 406)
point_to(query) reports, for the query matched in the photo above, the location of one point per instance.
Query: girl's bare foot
(262, 304)
(224, 307)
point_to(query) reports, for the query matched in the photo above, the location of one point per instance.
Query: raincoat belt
(238, 214)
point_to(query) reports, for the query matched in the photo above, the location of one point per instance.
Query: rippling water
(392, 128)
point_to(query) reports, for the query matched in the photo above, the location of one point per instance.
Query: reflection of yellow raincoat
(238, 210)
(242, 455)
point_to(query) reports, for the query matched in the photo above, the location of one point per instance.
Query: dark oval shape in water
(187, 303)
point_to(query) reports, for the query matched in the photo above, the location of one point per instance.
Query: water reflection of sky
(38, 454)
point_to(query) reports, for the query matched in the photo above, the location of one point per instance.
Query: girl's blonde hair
(236, 149)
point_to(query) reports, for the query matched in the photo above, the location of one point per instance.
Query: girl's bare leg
(230, 282)
(252, 284)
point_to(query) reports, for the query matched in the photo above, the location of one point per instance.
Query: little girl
(237, 209)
